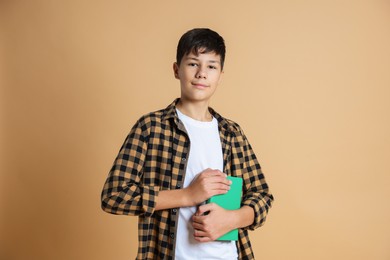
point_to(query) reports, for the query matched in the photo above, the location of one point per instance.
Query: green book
(230, 201)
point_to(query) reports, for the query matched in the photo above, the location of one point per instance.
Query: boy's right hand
(207, 184)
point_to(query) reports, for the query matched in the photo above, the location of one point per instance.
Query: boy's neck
(196, 110)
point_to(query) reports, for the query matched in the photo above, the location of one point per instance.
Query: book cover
(230, 201)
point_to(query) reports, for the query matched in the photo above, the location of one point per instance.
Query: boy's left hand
(216, 223)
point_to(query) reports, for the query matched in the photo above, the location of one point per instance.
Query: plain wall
(308, 81)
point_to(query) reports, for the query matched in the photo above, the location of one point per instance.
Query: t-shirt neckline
(195, 122)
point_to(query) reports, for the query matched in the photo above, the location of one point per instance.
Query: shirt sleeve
(123, 192)
(256, 193)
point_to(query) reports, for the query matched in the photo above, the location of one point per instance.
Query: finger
(202, 239)
(220, 186)
(220, 179)
(204, 208)
(200, 233)
(197, 219)
(198, 226)
(219, 173)
(219, 192)
(213, 172)
(207, 172)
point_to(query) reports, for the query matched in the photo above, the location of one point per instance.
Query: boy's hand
(207, 184)
(216, 223)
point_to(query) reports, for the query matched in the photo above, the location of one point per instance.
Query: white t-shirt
(205, 152)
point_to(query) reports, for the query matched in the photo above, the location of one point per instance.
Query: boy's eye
(192, 64)
(212, 67)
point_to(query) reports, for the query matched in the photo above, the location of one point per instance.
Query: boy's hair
(201, 40)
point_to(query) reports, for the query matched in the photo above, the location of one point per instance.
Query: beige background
(308, 81)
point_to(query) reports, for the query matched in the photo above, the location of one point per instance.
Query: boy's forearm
(243, 217)
(205, 185)
(169, 199)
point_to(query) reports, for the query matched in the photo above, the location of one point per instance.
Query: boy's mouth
(199, 85)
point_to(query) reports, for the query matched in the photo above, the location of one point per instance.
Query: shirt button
(184, 159)
(174, 210)
(172, 235)
(178, 186)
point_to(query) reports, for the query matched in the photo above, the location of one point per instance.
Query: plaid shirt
(154, 157)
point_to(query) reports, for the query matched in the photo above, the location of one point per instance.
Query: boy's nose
(201, 73)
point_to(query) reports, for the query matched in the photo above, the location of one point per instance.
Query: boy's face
(199, 75)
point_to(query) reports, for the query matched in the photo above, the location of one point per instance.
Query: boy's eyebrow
(196, 59)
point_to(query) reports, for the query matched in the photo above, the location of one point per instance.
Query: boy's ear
(176, 70)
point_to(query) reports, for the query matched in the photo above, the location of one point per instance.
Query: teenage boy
(178, 157)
